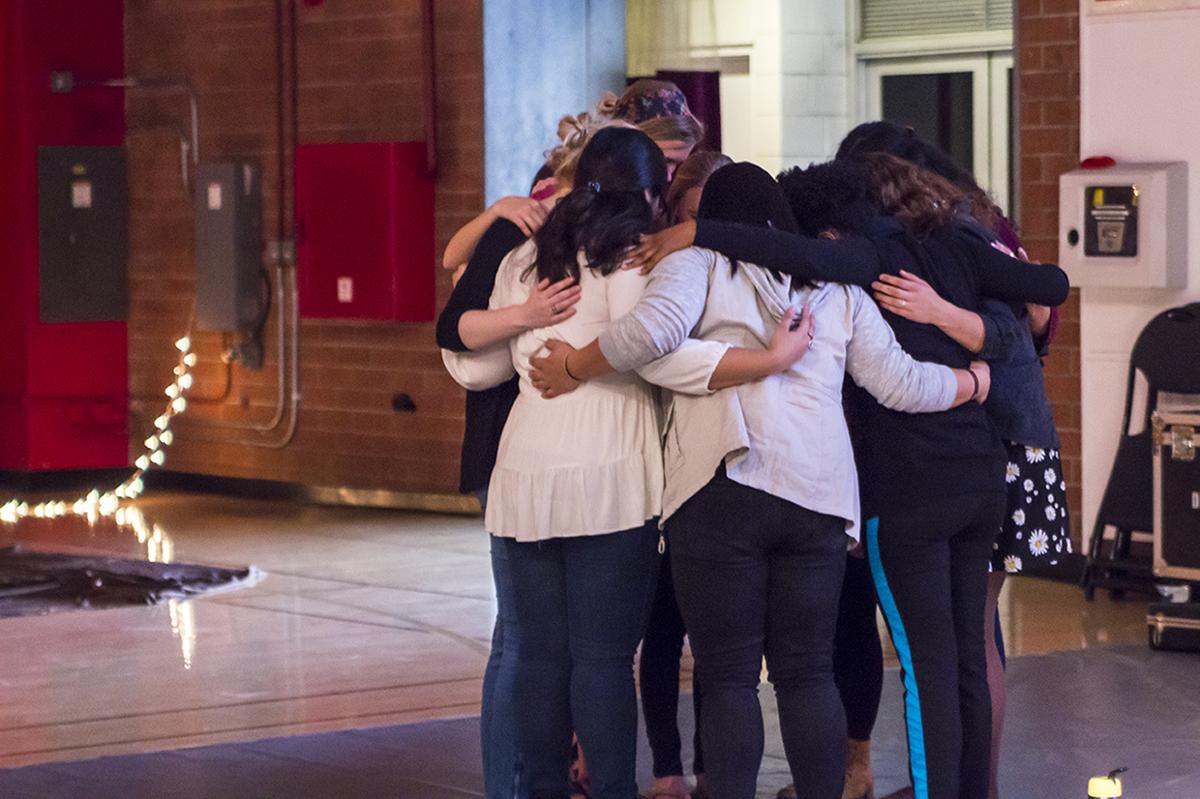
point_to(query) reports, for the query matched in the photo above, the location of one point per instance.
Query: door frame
(991, 122)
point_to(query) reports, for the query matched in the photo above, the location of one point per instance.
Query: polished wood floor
(363, 618)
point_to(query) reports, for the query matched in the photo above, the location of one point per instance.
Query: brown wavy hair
(693, 173)
(922, 200)
(686, 129)
(903, 142)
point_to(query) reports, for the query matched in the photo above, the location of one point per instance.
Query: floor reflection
(366, 618)
(46, 526)
(183, 627)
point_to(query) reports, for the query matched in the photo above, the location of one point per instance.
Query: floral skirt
(1035, 530)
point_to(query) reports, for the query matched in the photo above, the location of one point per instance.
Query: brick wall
(1047, 61)
(359, 80)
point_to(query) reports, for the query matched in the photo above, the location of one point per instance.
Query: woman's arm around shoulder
(1003, 277)
(877, 362)
(514, 307)
(473, 290)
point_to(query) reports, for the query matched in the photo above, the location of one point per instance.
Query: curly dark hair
(833, 196)
(607, 210)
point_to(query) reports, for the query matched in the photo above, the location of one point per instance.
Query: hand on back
(909, 296)
(792, 339)
(551, 303)
(654, 247)
(548, 373)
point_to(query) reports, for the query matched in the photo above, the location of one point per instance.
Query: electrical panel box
(365, 231)
(1125, 225)
(83, 218)
(64, 379)
(228, 212)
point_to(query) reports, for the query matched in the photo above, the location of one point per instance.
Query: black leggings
(929, 562)
(662, 649)
(754, 575)
(858, 652)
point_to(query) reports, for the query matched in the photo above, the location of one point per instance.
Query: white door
(962, 103)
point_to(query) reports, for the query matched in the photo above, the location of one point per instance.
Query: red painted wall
(63, 387)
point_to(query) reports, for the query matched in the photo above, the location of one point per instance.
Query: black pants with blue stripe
(929, 562)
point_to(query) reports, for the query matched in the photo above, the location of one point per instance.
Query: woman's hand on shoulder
(653, 247)
(793, 338)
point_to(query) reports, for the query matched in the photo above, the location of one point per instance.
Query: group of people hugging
(747, 410)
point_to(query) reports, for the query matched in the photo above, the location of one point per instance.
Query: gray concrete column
(542, 59)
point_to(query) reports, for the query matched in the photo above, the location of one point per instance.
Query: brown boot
(860, 780)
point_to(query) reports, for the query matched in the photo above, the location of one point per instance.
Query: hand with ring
(909, 296)
(550, 303)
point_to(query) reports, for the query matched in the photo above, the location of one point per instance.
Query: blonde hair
(575, 131)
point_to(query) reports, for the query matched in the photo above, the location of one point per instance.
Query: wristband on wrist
(974, 379)
(567, 369)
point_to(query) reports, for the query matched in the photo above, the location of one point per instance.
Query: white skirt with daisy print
(1035, 530)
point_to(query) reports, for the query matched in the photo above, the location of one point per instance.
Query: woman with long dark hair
(578, 484)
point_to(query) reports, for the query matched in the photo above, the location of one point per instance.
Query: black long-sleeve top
(486, 411)
(905, 458)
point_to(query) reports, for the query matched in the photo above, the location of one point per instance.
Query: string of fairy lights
(97, 504)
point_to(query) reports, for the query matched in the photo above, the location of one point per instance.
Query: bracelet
(974, 379)
(567, 369)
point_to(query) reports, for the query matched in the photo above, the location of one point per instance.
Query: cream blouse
(589, 462)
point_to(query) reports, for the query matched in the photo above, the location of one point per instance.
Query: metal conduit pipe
(293, 390)
(281, 375)
(164, 85)
(288, 357)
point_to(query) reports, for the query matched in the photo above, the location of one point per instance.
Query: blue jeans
(502, 772)
(580, 607)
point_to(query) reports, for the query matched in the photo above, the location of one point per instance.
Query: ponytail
(608, 209)
(601, 224)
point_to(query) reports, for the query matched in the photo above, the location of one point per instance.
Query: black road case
(1174, 626)
(1176, 495)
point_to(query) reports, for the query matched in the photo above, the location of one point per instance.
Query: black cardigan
(486, 411)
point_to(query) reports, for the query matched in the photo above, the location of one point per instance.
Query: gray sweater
(786, 434)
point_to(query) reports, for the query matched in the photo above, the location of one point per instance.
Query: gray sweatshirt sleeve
(880, 365)
(669, 309)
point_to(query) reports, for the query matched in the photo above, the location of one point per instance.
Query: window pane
(939, 106)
